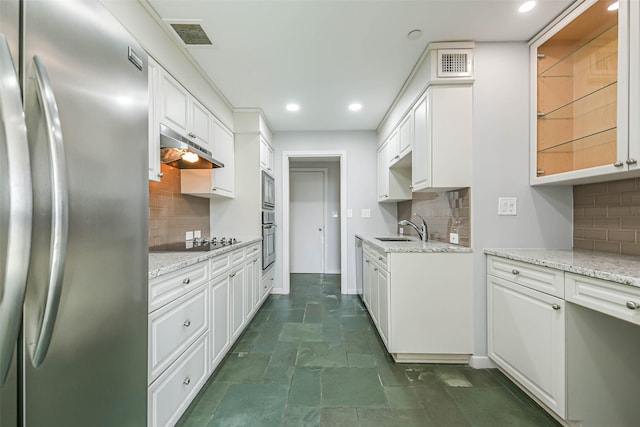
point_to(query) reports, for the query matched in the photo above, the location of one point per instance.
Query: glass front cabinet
(581, 81)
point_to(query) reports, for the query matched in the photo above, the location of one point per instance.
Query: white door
(307, 215)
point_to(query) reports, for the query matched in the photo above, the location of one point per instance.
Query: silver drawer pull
(232, 275)
(379, 258)
(186, 281)
(187, 323)
(555, 307)
(186, 381)
(631, 305)
(366, 260)
(514, 271)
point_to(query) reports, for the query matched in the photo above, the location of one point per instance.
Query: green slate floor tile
(402, 398)
(302, 416)
(313, 313)
(301, 332)
(286, 316)
(452, 376)
(352, 387)
(391, 374)
(321, 354)
(360, 360)
(278, 375)
(496, 407)
(284, 354)
(440, 407)
(203, 407)
(338, 417)
(243, 368)
(252, 405)
(393, 418)
(305, 387)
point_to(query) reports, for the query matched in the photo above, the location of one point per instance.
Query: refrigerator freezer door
(94, 372)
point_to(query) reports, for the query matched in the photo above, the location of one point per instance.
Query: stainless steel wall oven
(268, 239)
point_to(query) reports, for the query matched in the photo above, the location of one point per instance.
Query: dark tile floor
(313, 358)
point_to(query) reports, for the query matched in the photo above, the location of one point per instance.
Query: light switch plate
(365, 213)
(453, 238)
(188, 235)
(507, 206)
(349, 213)
(197, 234)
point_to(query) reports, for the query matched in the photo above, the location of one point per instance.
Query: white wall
(501, 168)
(133, 16)
(361, 171)
(332, 204)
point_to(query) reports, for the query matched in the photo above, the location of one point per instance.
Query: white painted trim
(481, 362)
(325, 192)
(342, 156)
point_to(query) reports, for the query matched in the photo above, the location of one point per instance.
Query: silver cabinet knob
(631, 305)
(618, 164)
(232, 275)
(375, 269)
(555, 306)
(540, 172)
(187, 323)
(379, 258)
(160, 175)
(192, 135)
(186, 381)
(631, 161)
(186, 281)
(367, 261)
(514, 271)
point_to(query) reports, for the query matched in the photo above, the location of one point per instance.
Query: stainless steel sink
(395, 239)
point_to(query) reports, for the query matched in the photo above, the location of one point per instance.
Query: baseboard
(278, 291)
(481, 362)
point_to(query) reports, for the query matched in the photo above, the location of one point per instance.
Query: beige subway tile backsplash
(606, 217)
(171, 214)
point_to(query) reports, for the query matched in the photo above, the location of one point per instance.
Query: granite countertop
(165, 262)
(414, 245)
(622, 269)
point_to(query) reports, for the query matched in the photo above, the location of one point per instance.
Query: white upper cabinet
(441, 155)
(383, 172)
(180, 111)
(154, 126)
(266, 155)
(584, 89)
(394, 181)
(405, 140)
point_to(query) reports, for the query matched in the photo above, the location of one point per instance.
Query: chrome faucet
(423, 231)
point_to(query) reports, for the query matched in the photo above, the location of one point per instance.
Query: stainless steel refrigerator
(73, 217)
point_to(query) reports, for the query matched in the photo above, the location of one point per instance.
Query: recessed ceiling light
(613, 7)
(355, 107)
(293, 107)
(527, 6)
(414, 34)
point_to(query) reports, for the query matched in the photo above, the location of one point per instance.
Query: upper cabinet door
(223, 150)
(406, 135)
(580, 96)
(266, 156)
(200, 129)
(174, 104)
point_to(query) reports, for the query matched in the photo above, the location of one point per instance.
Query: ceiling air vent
(191, 34)
(455, 63)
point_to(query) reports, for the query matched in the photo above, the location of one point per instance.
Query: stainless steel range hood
(176, 150)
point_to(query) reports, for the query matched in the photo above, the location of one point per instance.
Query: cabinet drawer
(219, 264)
(614, 299)
(542, 279)
(252, 250)
(168, 287)
(175, 327)
(376, 256)
(237, 257)
(174, 390)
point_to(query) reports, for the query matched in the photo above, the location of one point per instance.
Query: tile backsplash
(445, 212)
(606, 217)
(171, 213)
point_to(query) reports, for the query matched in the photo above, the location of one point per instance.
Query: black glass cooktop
(190, 246)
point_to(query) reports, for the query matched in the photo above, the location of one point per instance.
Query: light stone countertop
(622, 269)
(165, 262)
(412, 246)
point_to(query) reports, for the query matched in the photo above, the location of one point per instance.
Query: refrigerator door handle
(17, 178)
(60, 211)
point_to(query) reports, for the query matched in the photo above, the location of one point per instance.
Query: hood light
(190, 157)
(613, 7)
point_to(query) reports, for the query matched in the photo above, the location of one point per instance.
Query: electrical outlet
(188, 235)
(453, 238)
(197, 234)
(349, 213)
(401, 230)
(507, 206)
(365, 213)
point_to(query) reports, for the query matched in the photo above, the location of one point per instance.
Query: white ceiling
(326, 54)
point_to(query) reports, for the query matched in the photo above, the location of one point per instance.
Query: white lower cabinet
(421, 303)
(220, 329)
(526, 331)
(195, 315)
(174, 390)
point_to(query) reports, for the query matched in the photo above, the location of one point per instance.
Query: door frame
(325, 186)
(341, 155)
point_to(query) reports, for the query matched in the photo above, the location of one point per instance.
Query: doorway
(333, 246)
(307, 212)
